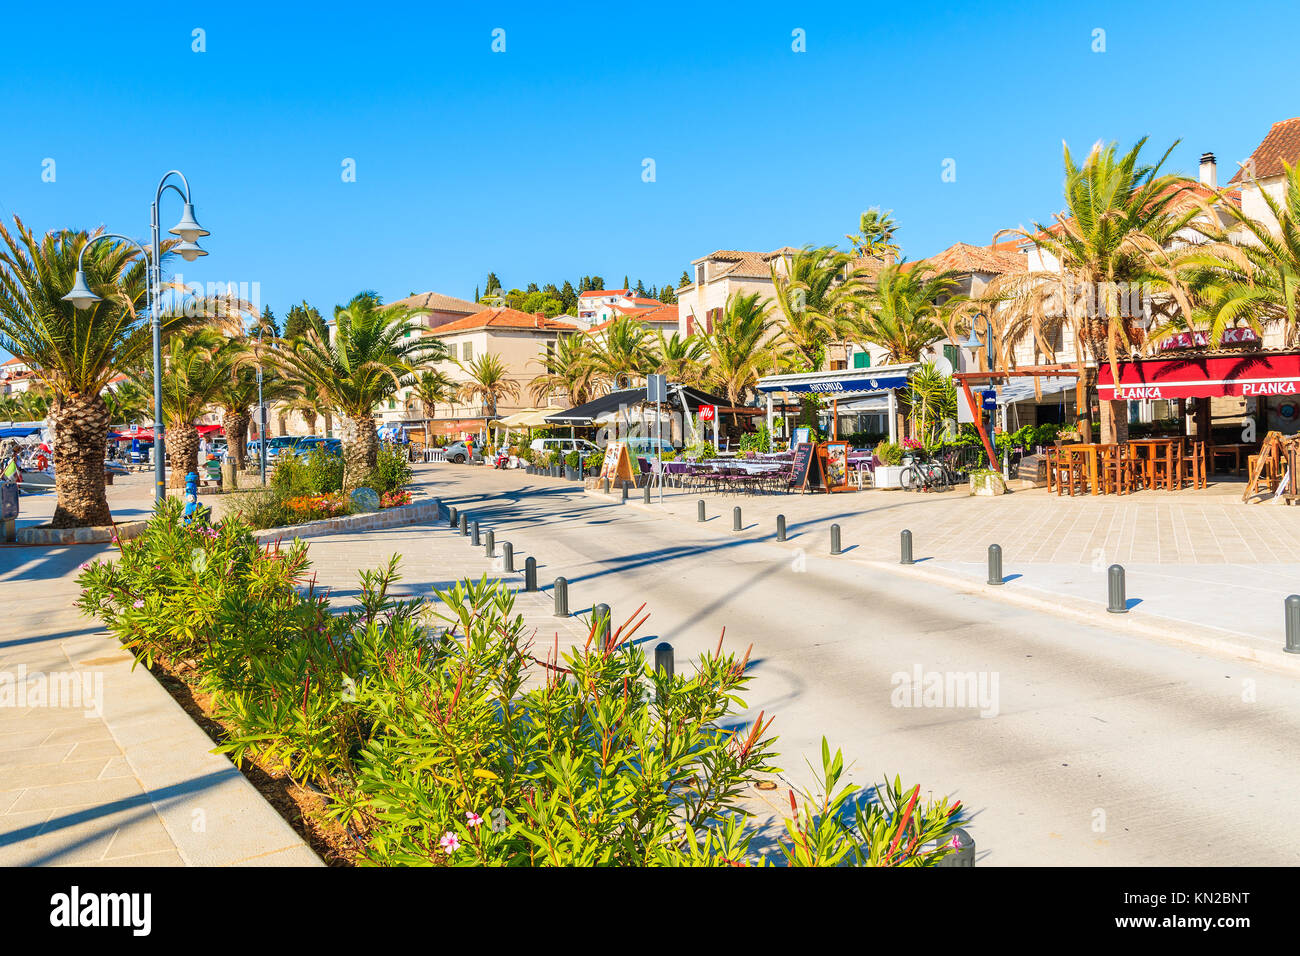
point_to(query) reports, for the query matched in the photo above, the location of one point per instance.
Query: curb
(371, 521)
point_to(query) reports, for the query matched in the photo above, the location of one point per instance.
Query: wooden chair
(1119, 470)
(1192, 466)
(1070, 472)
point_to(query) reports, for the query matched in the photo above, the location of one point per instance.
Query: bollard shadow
(845, 549)
(1010, 577)
(1131, 603)
(919, 560)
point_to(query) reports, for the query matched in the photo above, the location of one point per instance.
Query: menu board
(835, 458)
(807, 471)
(616, 464)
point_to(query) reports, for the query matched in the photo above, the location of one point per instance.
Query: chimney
(541, 317)
(1209, 171)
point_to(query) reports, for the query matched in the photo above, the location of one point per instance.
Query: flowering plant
(912, 443)
(310, 507)
(393, 499)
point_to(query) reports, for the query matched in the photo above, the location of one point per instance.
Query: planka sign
(1205, 377)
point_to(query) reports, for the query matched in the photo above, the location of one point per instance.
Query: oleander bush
(392, 471)
(442, 734)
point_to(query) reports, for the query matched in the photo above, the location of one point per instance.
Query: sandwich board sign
(617, 465)
(807, 471)
(835, 464)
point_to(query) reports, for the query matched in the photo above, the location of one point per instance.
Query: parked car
(645, 447)
(274, 446)
(457, 452)
(331, 446)
(564, 446)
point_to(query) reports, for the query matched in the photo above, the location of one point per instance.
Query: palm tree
(75, 352)
(1120, 217)
(900, 315)
(741, 348)
(811, 300)
(932, 397)
(369, 359)
(1253, 279)
(681, 359)
(128, 402)
(568, 369)
(489, 382)
(236, 398)
(622, 353)
(875, 238)
(433, 388)
(196, 367)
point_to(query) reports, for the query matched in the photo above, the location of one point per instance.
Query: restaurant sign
(1189, 340)
(1250, 375)
(881, 383)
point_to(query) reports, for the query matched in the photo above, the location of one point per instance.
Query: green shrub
(391, 472)
(413, 721)
(262, 509)
(701, 450)
(573, 459)
(322, 472)
(289, 478)
(891, 453)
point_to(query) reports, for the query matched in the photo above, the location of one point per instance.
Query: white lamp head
(188, 250)
(80, 295)
(188, 228)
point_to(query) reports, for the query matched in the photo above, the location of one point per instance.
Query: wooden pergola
(1029, 371)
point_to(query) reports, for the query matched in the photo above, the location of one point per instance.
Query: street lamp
(973, 343)
(261, 408)
(189, 231)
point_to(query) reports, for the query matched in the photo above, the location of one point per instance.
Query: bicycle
(927, 474)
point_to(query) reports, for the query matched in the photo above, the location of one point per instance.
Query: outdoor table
(1150, 450)
(1238, 451)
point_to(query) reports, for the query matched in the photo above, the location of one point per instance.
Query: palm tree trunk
(360, 450)
(236, 426)
(80, 424)
(182, 453)
(329, 423)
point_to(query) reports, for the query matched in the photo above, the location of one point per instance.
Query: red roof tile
(504, 319)
(1281, 144)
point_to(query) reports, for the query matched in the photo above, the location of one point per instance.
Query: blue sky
(529, 162)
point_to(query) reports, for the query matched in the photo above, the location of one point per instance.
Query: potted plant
(1067, 435)
(987, 482)
(889, 473)
(572, 464)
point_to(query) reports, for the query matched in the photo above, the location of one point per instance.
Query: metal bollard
(964, 855)
(464, 523)
(664, 658)
(530, 573)
(451, 517)
(605, 484)
(835, 539)
(600, 618)
(995, 564)
(561, 597)
(735, 518)
(490, 544)
(905, 546)
(780, 527)
(1292, 624)
(699, 510)
(624, 491)
(507, 556)
(645, 493)
(1118, 603)
(474, 539)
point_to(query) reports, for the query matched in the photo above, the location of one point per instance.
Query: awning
(528, 418)
(1022, 389)
(590, 412)
(1203, 377)
(863, 381)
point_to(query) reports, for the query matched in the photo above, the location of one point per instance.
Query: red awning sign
(1203, 377)
(707, 412)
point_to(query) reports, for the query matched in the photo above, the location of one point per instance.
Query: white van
(564, 446)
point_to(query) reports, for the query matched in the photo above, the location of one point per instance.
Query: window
(953, 354)
(862, 359)
(467, 352)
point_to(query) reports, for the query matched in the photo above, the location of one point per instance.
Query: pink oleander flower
(138, 604)
(956, 842)
(449, 842)
(85, 565)
(473, 818)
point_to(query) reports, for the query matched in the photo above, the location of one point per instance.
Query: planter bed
(96, 534)
(386, 518)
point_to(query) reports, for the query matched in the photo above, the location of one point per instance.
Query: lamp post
(80, 296)
(261, 408)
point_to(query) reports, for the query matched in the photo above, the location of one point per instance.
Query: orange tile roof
(437, 302)
(1281, 144)
(504, 318)
(963, 257)
(664, 314)
(599, 292)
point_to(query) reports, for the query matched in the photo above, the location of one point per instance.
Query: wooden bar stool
(1193, 466)
(1071, 472)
